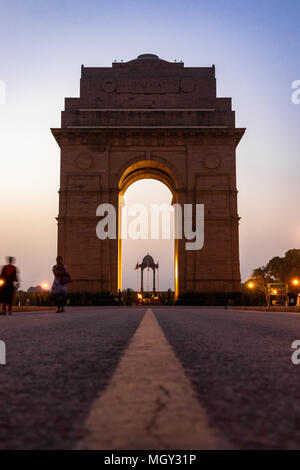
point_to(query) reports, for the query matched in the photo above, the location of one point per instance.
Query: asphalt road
(238, 362)
(56, 365)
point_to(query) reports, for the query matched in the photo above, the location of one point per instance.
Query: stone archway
(167, 115)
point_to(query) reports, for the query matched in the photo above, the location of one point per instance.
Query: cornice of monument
(125, 135)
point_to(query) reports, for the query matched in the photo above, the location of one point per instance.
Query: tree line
(278, 269)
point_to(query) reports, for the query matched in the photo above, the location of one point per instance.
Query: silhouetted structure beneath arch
(148, 263)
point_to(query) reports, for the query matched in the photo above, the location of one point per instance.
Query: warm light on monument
(192, 150)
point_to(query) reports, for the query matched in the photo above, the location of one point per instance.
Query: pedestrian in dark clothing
(120, 297)
(8, 281)
(59, 286)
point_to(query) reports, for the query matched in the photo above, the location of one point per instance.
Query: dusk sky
(255, 48)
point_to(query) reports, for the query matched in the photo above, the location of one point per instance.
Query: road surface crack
(161, 404)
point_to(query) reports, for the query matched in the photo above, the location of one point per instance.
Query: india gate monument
(148, 118)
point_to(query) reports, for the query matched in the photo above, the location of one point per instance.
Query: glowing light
(295, 282)
(1, 282)
(176, 269)
(140, 296)
(250, 285)
(45, 285)
(274, 291)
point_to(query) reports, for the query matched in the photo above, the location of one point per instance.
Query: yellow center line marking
(149, 403)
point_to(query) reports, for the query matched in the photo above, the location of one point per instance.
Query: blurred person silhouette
(59, 286)
(9, 281)
(120, 297)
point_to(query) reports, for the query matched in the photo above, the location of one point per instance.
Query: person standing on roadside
(9, 282)
(59, 286)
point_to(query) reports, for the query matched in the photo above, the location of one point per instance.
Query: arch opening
(148, 169)
(147, 182)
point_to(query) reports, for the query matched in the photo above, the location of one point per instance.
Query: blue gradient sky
(255, 47)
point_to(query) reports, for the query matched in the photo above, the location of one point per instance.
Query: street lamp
(296, 283)
(45, 286)
(251, 286)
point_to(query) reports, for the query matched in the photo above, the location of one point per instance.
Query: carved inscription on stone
(148, 85)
